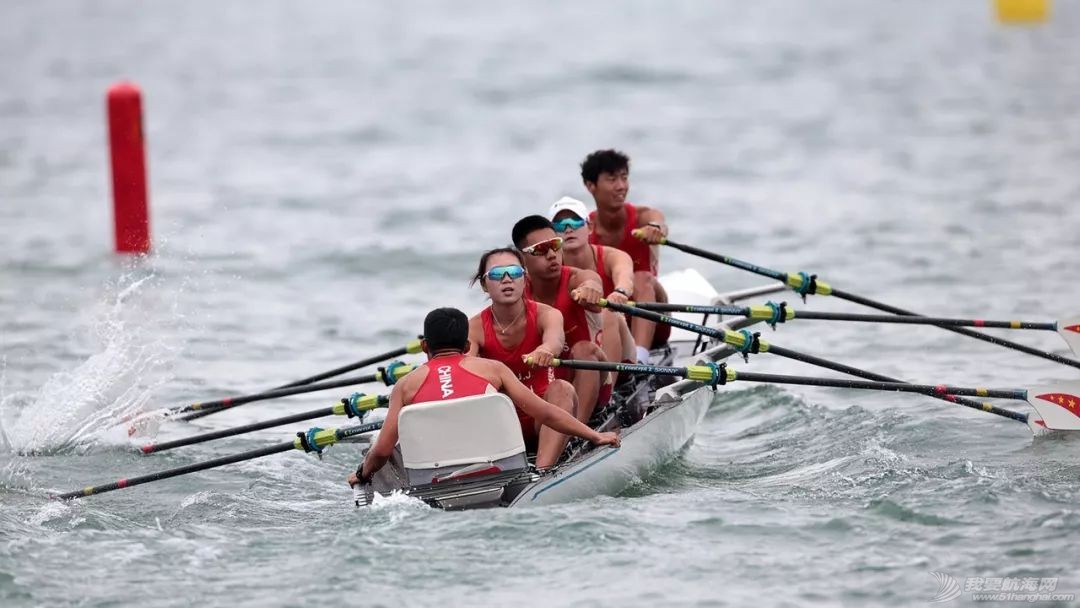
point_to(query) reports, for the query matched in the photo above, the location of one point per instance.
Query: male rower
(446, 340)
(635, 229)
(573, 292)
(524, 335)
(571, 221)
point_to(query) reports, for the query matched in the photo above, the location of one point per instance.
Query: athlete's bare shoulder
(411, 383)
(486, 368)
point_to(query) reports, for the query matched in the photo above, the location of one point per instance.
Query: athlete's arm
(546, 413)
(388, 436)
(651, 224)
(620, 267)
(549, 321)
(586, 289)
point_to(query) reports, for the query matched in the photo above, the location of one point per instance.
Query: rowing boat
(468, 453)
(657, 422)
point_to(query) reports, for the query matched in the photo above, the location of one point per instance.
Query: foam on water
(75, 410)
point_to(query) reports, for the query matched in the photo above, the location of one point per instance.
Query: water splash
(75, 410)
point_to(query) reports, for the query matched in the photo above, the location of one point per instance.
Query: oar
(1058, 405)
(389, 375)
(772, 313)
(314, 440)
(352, 406)
(411, 348)
(745, 342)
(804, 284)
(190, 412)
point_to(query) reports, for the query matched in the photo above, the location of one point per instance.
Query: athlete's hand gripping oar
(388, 375)
(1058, 405)
(745, 342)
(804, 284)
(772, 313)
(314, 440)
(353, 406)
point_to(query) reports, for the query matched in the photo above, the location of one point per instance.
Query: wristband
(624, 292)
(360, 476)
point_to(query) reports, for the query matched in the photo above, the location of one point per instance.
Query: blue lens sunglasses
(568, 224)
(513, 271)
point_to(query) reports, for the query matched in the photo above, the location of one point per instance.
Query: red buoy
(128, 154)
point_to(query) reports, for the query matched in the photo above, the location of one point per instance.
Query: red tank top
(446, 379)
(575, 323)
(536, 378)
(639, 251)
(605, 280)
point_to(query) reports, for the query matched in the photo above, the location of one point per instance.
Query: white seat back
(469, 430)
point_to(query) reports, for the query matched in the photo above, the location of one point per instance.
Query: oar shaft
(630, 368)
(397, 352)
(825, 289)
(861, 373)
(322, 438)
(352, 406)
(850, 297)
(925, 389)
(701, 371)
(811, 359)
(191, 468)
(150, 448)
(198, 410)
(736, 263)
(763, 312)
(939, 321)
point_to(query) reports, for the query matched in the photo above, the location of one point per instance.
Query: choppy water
(322, 175)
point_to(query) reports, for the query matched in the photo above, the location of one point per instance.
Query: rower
(573, 292)
(615, 268)
(635, 229)
(524, 335)
(446, 340)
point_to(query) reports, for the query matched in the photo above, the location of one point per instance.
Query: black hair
(603, 161)
(526, 225)
(446, 328)
(482, 267)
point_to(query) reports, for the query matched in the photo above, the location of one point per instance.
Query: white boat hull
(657, 439)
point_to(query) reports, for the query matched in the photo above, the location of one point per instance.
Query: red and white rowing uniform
(446, 379)
(536, 378)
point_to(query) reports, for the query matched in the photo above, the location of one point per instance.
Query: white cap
(568, 204)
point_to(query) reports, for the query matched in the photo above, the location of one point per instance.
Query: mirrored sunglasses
(568, 224)
(513, 271)
(543, 247)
